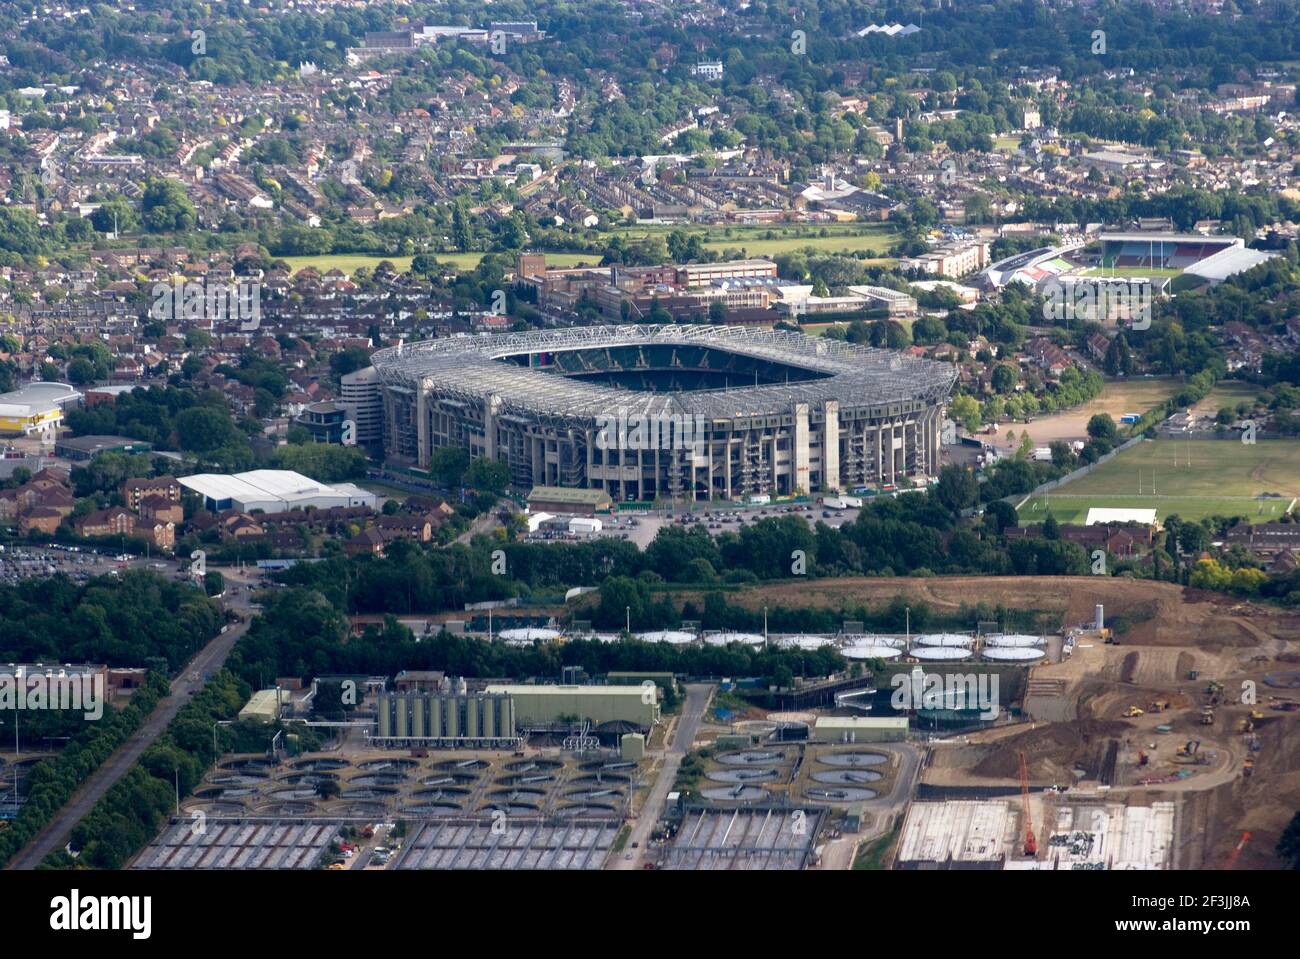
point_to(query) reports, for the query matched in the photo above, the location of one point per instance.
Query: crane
(1031, 844)
(1232, 857)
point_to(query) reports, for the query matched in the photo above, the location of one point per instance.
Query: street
(697, 701)
(190, 679)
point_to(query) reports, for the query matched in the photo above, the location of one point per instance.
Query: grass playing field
(1193, 479)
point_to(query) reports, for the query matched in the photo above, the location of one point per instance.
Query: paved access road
(208, 660)
(697, 700)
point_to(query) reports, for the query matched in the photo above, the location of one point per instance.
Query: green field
(1257, 482)
(773, 239)
(349, 262)
(1154, 272)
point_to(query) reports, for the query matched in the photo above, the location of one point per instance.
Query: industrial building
(273, 491)
(646, 412)
(444, 719)
(608, 708)
(860, 729)
(36, 408)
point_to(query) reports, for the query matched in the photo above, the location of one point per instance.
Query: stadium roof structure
(472, 368)
(1229, 262)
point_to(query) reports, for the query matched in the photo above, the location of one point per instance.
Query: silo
(385, 716)
(471, 717)
(453, 718)
(1101, 617)
(435, 715)
(419, 703)
(403, 716)
(488, 706)
(505, 716)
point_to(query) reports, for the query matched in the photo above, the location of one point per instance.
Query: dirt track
(1160, 614)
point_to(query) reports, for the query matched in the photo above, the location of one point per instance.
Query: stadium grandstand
(1160, 251)
(645, 412)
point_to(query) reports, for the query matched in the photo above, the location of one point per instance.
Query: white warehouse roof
(273, 491)
(1097, 514)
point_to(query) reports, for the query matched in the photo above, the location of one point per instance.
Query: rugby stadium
(652, 412)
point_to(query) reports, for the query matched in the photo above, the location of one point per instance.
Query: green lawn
(1154, 272)
(772, 239)
(1194, 479)
(349, 262)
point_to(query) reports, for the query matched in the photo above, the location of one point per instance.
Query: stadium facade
(650, 412)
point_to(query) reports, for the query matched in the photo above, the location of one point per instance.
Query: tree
(966, 411)
(488, 475)
(166, 207)
(1102, 427)
(957, 489)
(1004, 378)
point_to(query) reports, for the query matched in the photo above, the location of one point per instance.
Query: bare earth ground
(1119, 397)
(1174, 630)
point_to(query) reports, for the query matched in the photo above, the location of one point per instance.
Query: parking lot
(641, 528)
(76, 562)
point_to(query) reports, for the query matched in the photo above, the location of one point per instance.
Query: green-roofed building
(561, 499)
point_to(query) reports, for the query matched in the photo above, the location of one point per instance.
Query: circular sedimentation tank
(322, 764)
(1013, 654)
(847, 777)
(220, 808)
(603, 779)
(871, 639)
(433, 809)
(726, 639)
(940, 653)
(871, 651)
(609, 765)
(673, 637)
(361, 809)
(530, 796)
(454, 766)
(593, 795)
(383, 765)
(839, 793)
(734, 793)
(748, 756)
(804, 642)
(238, 779)
(377, 779)
(295, 792)
(527, 779)
(1013, 640)
(367, 792)
(526, 636)
(448, 779)
(743, 775)
(533, 765)
(216, 793)
(512, 809)
(308, 779)
(285, 809)
(852, 759)
(942, 639)
(449, 794)
(586, 809)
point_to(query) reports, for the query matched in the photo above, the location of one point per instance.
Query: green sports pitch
(1191, 478)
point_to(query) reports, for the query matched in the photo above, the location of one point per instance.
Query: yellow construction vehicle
(1133, 711)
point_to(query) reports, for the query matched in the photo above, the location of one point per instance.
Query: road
(209, 659)
(697, 700)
